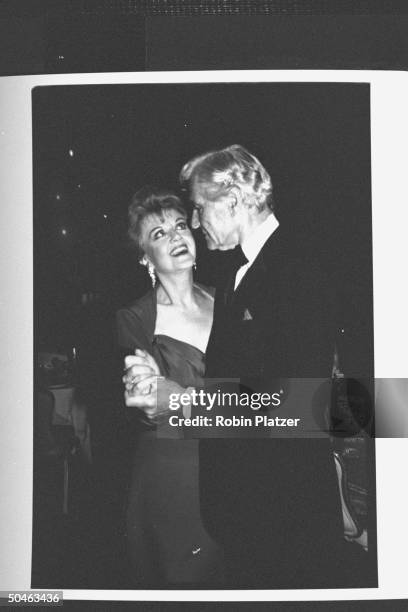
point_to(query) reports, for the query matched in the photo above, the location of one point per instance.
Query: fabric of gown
(167, 541)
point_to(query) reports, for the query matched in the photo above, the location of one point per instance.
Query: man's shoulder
(292, 272)
(283, 250)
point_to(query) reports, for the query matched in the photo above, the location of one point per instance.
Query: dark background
(313, 138)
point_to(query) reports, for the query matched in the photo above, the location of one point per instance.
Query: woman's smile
(180, 249)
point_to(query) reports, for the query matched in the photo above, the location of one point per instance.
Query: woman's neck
(177, 289)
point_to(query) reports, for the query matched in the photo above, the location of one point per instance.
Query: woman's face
(167, 241)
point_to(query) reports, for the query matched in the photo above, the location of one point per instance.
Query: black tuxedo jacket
(273, 503)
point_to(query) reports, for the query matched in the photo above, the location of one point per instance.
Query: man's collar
(252, 245)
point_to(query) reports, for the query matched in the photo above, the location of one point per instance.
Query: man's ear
(234, 198)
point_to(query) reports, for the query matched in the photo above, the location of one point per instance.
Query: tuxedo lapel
(246, 296)
(259, 277)
(240, 327)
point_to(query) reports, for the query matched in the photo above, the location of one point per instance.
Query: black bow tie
(238, 258)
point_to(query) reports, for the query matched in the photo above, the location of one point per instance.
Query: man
(272, 503)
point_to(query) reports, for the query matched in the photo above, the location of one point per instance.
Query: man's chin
(213, 246)
(226, 247)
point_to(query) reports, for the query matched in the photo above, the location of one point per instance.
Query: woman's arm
(131, 333)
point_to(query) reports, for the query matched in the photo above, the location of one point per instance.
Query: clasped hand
(145, 388)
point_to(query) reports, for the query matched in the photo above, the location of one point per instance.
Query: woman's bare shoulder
(210, 291)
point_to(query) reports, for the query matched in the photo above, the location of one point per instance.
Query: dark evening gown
(168, 544)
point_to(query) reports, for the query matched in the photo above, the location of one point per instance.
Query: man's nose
(195, 220)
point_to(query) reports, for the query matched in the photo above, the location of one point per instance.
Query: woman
(172, 322)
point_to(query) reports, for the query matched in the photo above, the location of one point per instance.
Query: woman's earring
(152, 273)
(150, 270)
(194, 266)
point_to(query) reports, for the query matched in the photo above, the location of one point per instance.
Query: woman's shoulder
(140, 307)
(210, 291)
(136, 322)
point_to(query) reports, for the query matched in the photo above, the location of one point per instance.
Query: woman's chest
(190, 327)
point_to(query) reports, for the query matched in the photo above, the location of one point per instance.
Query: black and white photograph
(204, 376)
(186, 233)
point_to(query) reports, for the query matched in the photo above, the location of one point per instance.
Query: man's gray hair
(231, 167)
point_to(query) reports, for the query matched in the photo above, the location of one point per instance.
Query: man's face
(214, 217)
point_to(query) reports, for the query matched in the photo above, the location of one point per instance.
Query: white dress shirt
(252, 245)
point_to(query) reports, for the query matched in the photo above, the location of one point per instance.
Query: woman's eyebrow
(161, 227)
(154, 229)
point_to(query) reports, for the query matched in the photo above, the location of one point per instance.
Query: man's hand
(145, 388)
(141, 370)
